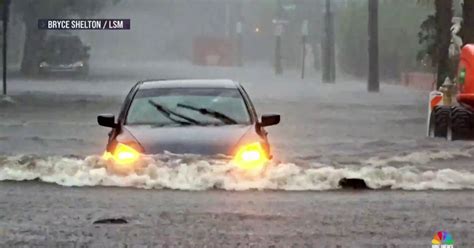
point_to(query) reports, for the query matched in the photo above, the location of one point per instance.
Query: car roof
(189, 83)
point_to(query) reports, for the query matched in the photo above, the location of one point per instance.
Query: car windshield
(223, 101)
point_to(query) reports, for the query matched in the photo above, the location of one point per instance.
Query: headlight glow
(78, 64)
(251, 156)
(123, 155)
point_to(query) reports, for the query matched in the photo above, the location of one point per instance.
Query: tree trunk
(467, 31)
(6, 14)
(444, 15)
(373, 82)
(329, 60)
(31, 50)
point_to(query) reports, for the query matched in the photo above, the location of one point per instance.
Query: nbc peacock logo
(442, 239)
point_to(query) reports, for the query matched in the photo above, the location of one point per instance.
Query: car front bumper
(61, 69)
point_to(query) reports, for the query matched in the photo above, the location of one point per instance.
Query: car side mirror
(269, 120)
(106, 120)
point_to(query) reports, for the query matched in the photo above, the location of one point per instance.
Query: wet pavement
(47, 215)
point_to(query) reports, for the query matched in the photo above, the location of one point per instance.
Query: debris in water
(353, 183)
(111, 221)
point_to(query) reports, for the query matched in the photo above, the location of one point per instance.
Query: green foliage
(427, 39)
(399, 23)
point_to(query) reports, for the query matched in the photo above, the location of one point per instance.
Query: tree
(398, 22)
(32, 10)
(444, 16)
(467, 31)
(439, 49)
(427, 37)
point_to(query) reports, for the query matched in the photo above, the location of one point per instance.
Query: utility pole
(6, 5)
(278, 33)
(373, 81)
(329, 61)
(227, 19)
(304, 37)
(238, 29)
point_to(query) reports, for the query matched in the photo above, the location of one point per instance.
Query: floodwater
(328, 132)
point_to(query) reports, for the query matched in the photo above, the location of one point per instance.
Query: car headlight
(78, 64)
(251, 156)
(43, 64)
(124, 155)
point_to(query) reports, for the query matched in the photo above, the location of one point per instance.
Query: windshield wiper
(169, 114)
(218, 115)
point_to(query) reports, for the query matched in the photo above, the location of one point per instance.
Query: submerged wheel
(460, 124)
(439, 121)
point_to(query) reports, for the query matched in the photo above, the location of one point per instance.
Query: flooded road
(45, 214)
(328, 132)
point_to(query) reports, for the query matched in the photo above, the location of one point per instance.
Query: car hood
(208, 140)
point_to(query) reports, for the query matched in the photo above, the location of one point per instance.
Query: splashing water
(193, 172)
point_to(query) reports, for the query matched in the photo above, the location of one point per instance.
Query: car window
(225, 101)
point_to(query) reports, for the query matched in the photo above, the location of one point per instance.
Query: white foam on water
(192, 172)
(419, 157)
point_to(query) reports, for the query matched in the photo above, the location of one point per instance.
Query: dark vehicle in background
(206, 117)
(64, 53)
